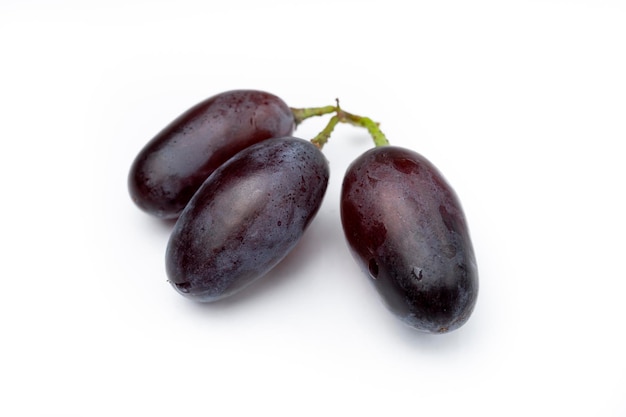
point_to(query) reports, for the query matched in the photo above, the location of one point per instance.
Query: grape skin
(246, 217)
(174, 164)
(406, 228)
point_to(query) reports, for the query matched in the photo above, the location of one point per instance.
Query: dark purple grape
(406, 229)
(175, 163)
(246, 217)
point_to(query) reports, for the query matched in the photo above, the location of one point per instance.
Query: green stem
(301, 114)
(372, 127)
(322, 137)
(341, 116)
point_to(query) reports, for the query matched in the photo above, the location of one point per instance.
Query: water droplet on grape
(406, 165)
(373, 268)
(417, 273)
(183, 287)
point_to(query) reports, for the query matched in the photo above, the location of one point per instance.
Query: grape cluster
(243, 191)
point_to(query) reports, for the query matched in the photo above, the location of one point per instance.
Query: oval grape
(246, 217)
(174, 164)
(406, 228)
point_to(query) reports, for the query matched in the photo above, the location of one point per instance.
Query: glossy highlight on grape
(407, 230)
(174, 164)
(247, 216)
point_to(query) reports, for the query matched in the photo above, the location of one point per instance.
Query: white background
(521, 104)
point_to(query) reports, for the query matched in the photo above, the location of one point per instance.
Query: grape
(246, 217)
(406, 229)
(174, 164)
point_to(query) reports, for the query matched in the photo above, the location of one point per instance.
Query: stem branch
(372, 127)
(322, 137)
(301, 114)
(340, 116)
